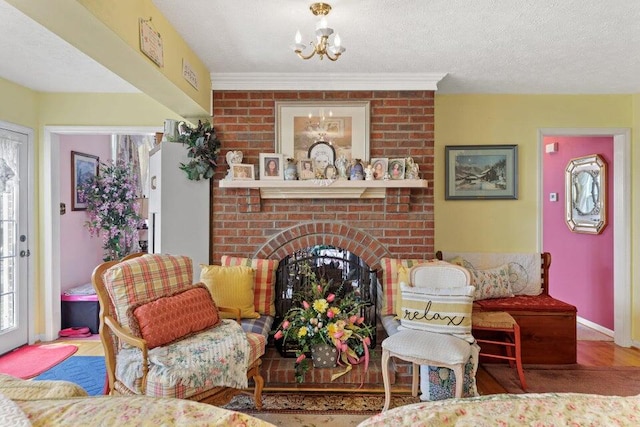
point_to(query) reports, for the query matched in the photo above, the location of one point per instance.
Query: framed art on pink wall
(83, 168)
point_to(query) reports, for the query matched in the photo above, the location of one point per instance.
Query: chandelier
(321, 47)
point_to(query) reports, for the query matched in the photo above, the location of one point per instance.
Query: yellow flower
(320, 305)
(302, 332)
(335, 310)
(332, 328)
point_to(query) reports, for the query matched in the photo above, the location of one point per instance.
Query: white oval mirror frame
(585, 194)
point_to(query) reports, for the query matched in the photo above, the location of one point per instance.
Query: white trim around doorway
(49, 180)
(622, 295)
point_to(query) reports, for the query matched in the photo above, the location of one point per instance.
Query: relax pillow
(167, 319)
(231, 287)
(264, 294)
(491, 283)
(391, 284)
(441, 310)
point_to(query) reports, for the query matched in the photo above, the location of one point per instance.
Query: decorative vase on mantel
(324, 356)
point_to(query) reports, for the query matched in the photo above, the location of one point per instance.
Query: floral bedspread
(539, 409)
(130, 411)
(215, 357)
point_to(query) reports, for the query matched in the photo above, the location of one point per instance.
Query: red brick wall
(400, 225)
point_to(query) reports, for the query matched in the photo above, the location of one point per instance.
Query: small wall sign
(151, 42)
(188, 73)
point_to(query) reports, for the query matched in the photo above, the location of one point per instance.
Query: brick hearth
(278, 373)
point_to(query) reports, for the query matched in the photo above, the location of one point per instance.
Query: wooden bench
(547, 325)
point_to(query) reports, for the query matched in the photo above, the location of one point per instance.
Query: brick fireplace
(399, 225)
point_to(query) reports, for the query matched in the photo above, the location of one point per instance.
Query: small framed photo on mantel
(271, 166)
(242, 172)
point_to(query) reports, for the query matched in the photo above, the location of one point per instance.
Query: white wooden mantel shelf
(324, 189)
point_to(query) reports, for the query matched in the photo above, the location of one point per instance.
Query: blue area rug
(88, 372)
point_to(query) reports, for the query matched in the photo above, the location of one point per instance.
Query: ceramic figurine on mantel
(412, 171)
(368, 173)
(341, 165)
(233, 158)
(357, 171)
(291, 170)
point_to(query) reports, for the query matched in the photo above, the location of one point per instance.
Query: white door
(14, 244)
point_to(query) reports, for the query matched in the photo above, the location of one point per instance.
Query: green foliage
(203, 147)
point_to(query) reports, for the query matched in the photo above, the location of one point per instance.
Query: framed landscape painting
(476, 172)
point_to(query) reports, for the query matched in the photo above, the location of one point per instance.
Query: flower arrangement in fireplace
(325, 318)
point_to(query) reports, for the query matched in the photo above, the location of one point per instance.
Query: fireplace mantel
(323, 188)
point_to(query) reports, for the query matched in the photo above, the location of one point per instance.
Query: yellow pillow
(231, 287)
(403, 277)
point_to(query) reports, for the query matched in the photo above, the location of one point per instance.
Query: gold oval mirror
(585, 191)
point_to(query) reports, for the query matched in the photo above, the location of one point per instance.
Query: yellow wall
(507, 225)
(19, 106)
(511, 225)
(635, 220)
(122, 16)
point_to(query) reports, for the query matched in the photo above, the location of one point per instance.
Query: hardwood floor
(590, 353)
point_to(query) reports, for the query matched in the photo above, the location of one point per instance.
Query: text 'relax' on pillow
(170, 318)
(491, 283)
(441, 310)
(264, 284)
(231, 287)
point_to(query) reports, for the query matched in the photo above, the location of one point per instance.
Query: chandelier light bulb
(321, 46)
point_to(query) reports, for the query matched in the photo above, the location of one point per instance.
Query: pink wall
(582, 264)
(79, 252)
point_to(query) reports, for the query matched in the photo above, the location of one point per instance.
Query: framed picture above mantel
(342, 125)
(477, 172)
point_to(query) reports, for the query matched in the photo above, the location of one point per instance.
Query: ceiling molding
(326, 81)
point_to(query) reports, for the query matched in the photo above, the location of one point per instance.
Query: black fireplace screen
(343, 269)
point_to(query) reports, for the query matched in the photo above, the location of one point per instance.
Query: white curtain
(134, 151)
(8, 163)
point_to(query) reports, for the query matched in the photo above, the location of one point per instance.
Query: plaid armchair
(163, 336)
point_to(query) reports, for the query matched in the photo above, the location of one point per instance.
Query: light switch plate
(553, 197)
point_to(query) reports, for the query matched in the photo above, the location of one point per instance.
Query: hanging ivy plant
(203, 147)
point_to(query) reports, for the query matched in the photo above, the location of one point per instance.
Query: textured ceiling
(483, 46)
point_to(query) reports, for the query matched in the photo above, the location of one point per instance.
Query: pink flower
(330, 314)
(278, 335)
(360, 320)
(331, 297)
(285, 324)
(353, 319)
(305, 305)
(319, 288)
(301, 358)
(338, 334)
(367, 341)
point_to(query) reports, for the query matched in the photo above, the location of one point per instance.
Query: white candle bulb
(336, 41)
(298, 37)
(323, 22)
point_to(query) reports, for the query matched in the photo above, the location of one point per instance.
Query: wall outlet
(553, 197)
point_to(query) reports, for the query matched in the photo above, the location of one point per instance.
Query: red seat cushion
(524, 303)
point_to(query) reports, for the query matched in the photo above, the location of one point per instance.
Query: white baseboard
(595, 326)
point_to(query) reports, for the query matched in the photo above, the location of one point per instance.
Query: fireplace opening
(346, 272)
